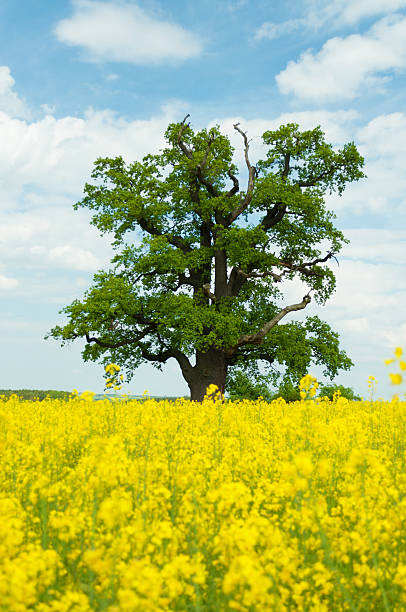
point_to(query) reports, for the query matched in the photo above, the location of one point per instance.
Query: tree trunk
(210, 369)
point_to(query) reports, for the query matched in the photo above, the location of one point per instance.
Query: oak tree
(201, 281)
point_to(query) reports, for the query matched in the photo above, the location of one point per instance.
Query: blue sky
(81, 79)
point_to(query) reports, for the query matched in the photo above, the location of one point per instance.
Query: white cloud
(7, 283)
(382, 141)
(348, 12)
(329, 15)
(346, 66)
(382, 246)
(10, 102)
(49, 238)
(55, 156)
(121, 32)
(65, 256)
(272, 30)
(9, 324)
(48, 110)
(43, 167)
(357, 325)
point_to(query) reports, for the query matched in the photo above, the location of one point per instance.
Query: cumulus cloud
(121, 32)
(382, 142)
(344, 67)
(43, 167)
(55, 156)
(50, 239)
(10, 102)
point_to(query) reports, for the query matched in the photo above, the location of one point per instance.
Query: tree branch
(298, 214)
(251, 175)
(104, 344)
(259, 336)
(313, 180)
(188, 152)
(236, 185)
(200, 167)
(286, 166)
(208, 293)
(292, 268)
(165, 354)
(177, 241)
(276, 277)
(273, 216)
(302, 267)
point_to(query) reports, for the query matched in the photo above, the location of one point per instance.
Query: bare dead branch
(252, 172)
(186, 150)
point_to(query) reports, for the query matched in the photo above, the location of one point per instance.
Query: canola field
(156, 506)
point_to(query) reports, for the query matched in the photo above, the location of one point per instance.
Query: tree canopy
(203, 277)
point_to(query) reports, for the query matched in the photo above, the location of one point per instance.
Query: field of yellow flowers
(156, 506)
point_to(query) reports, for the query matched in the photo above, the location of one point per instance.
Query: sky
(80, 79)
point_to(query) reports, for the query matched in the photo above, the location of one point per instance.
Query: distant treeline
(35, 394)
(40, 394)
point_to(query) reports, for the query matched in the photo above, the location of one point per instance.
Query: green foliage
(158, 300)
(240, 386)
(288, 391)
(329, 390)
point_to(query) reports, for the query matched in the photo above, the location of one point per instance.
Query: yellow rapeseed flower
(396, 379)
(155, 506)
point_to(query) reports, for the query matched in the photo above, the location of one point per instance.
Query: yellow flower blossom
(156, 506)
(396, 379)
